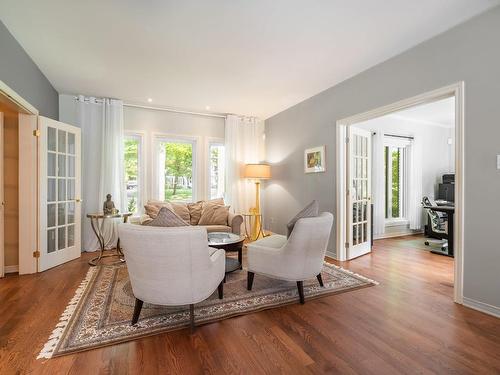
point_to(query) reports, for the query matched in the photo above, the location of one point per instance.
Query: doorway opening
(11, 108)
(400, 173)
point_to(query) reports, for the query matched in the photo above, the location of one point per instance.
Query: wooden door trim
(28, 194)
(2, 213)
(28, 182)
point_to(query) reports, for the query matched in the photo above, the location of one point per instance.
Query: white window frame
(141, 168)
(157, 138)
(214, 142)
(403, 143)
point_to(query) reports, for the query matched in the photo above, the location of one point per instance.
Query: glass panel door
(59, 193)
(359, 198)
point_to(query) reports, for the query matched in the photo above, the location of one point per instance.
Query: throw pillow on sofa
(152, 207)
(179, 208)
(167, 218)
(195, 209)
(151, 211)
(311, 210)
(213, 214)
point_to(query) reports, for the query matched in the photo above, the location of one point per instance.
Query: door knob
(78, 200)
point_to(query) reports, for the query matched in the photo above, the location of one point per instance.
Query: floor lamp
(257, 172)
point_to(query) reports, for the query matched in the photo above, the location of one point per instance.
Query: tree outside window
(217, 171)
(178, 171)
(131, 157)
(394, 168)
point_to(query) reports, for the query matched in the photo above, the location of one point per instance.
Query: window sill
(396, 222)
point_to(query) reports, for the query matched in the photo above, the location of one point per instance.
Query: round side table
(250, 220)
(94, 222)
(228, 242)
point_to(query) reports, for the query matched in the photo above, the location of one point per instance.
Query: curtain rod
(174, 110)
(396, 136)
(163, 109)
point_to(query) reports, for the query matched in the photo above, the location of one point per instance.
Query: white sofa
(298, 258)
(171, 266)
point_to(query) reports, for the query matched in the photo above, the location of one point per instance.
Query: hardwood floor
(407, 324)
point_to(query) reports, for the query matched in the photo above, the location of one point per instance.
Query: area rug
(100, 312)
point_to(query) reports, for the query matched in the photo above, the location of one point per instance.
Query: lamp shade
(260, 171)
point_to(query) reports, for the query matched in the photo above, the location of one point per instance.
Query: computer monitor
(449, 178)
(447, 192)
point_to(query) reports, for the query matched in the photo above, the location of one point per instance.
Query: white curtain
(243, 145)
(101, 122)
(378, 183)
(414, 168)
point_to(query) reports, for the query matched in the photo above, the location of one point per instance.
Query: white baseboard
(11, 269)
(397, 234)
(483, 307)
(331, 254)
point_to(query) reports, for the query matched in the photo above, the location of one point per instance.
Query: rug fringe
(56, 335)
(353, 273)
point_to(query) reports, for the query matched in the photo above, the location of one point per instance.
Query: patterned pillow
(166, 218)
(311, 210)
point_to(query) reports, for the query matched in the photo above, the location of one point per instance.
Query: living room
(183, 208)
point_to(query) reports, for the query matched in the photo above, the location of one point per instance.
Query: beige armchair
(298, 258)
(171, 266)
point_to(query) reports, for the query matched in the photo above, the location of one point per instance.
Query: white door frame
(456, 90)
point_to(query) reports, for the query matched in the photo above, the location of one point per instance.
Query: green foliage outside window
(395, 182)
(392, 162)
(131, 150)
(131, 159)
(179, 166)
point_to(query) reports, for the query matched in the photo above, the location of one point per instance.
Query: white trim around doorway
(456, 90)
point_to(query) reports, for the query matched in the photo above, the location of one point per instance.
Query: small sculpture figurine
(109, 206)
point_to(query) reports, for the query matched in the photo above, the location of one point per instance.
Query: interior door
(359, 192)
(2, 210)
(60, 174)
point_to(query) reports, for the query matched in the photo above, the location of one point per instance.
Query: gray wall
(20, 73)
(469, 52)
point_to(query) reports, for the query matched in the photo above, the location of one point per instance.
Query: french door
(60, 174)
(359, 193)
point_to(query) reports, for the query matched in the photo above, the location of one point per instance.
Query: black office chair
(436, 228)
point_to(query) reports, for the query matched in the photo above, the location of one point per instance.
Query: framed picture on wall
(314, 160)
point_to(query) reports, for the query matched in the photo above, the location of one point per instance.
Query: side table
(257, 221)
(94, 222)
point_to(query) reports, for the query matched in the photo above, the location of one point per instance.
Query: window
(132, 151)
(175, 169)
(216, 170)
(395, 156)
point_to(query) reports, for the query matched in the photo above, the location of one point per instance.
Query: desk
(450, 211)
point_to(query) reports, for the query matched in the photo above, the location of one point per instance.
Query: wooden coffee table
(229, 242)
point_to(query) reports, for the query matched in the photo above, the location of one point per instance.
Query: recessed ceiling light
(150, 100)
(207, 108)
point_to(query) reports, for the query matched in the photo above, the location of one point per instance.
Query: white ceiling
(440, 113)
(237, 56)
